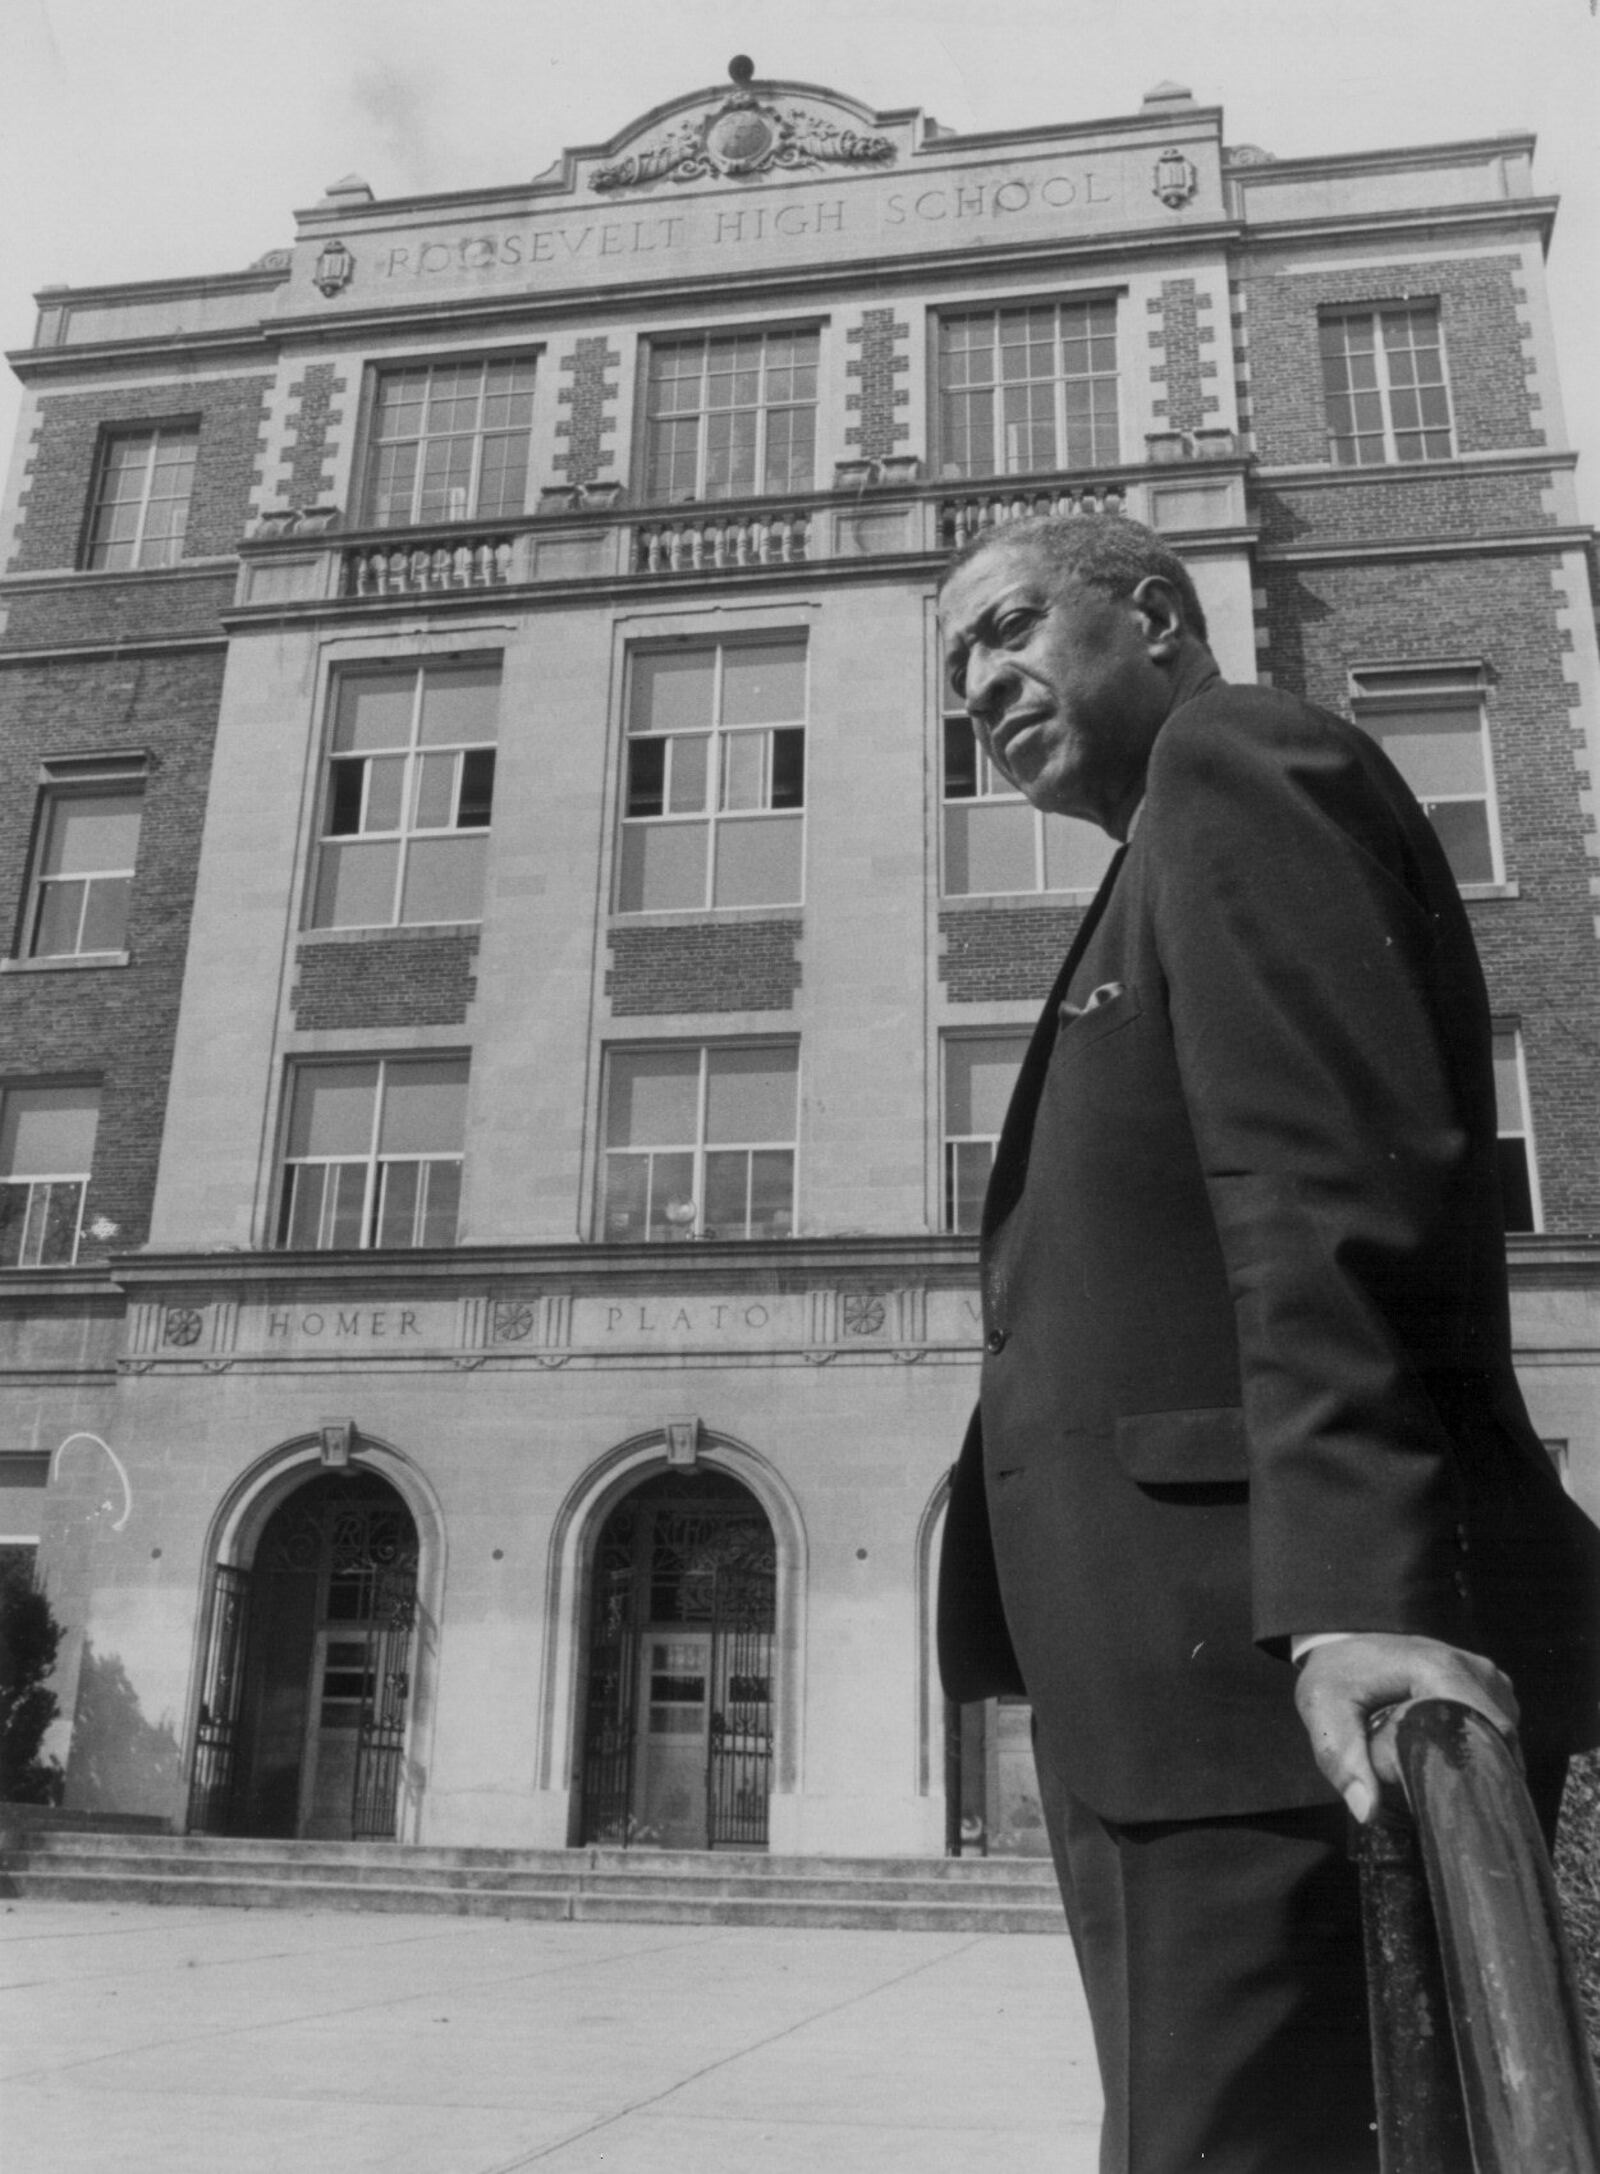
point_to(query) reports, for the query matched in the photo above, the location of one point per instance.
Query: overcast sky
(140, 138)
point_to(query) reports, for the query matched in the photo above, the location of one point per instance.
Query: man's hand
(1344, 1688)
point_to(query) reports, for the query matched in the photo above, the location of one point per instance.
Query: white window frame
(141, 551)
(39, 1185)
(1002, 462)
(479, 435)
(1522, 1131)
(695, 1227)
(1385, 388)
(713, 816)
(949, 1141)
(376, 1165)
(1380, 691)
(994, 791)
(764, 409)
(63, 780)
(414, 753)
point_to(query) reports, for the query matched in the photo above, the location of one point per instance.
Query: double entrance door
(678, 1730)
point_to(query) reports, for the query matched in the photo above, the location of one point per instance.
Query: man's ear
(1161, 608)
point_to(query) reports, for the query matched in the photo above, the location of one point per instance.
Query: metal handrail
(1479, 2051)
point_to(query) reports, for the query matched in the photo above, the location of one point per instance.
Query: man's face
(1059, 681)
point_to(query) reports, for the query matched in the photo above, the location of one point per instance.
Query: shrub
(29, 1637)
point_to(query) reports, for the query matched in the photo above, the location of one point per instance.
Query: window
(1027, 389)
(1383, 375)
(715, 783)
(87, 846)
(1431, 722)
(46, 1152)
(979, 1073)
(995, 842)
(374, 1153)
(699, 1142)
(410, 782)
(449, 442)
(141, 500)
(731, 415)
(1519, 1177)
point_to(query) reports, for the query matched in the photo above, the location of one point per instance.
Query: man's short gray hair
(1102, 550)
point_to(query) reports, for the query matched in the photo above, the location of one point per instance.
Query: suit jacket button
(996, 1340)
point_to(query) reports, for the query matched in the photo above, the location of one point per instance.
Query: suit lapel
(1010, 1170)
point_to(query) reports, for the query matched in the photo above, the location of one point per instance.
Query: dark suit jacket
(1247, 1368)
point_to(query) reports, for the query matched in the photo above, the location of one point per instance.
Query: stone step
(859, 1912)
(674, 1887)
(721, 1882)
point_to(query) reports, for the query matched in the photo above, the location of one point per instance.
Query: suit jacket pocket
(1203, 1448)
(1079, 1028)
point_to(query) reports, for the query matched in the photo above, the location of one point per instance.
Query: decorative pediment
(741, 137)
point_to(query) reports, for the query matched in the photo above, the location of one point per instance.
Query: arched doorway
(307, 1685)
(678, 1718)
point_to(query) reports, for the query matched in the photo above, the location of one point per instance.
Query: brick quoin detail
(877, 366)
(61, 466)
(1004, 954)
(115, 1024)
(588, 397)
(1187, 403)
(399, 980)
(309, 445)
(1538, 950)
(703, 966)
(1483, 358)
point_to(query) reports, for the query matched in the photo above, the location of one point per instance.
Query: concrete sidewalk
(181, 2041)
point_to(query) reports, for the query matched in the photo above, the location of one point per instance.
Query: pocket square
(1107, 991)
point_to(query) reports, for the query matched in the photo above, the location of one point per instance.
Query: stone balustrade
(968, 513)
(708, 542)
(427, 568)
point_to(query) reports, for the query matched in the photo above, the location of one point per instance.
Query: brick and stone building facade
(513, 969)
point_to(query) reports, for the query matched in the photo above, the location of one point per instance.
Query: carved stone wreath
(182, 1325)
(512, 1323)
(743, 136)
(862, 1313)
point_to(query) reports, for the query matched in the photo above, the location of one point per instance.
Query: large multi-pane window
(88, 844)
(1519, 1177)
(1383, 377)
(406, 802)
(373, 1155)
(449, 442)
(1028, 389)
(995, 842)
(141, 502)
(979, 1073)
(46, 1152)
(731, 415)
(699, 1142)
(715, 776)
(1433, 728)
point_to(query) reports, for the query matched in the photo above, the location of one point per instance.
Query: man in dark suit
(1249, 1439)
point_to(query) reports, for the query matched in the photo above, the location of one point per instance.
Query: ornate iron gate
(213, 1788)
(687, 1549)
(381, 1745)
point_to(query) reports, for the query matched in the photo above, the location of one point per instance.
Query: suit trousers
(1223, 1966)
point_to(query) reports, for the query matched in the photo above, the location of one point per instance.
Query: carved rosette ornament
(182, 1326)
(743, 137)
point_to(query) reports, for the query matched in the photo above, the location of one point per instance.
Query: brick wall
(994, 954)
(403, 979)
(97, 610)
(59, 474)
(111, 1023)
(1484, 361)
(589, 398)
(310, 444)
(707, 966)
(1539, 950)
(1402, 504)
(879, 363)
